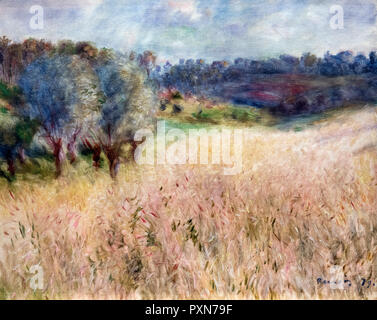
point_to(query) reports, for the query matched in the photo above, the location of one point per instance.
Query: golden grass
(305, 201)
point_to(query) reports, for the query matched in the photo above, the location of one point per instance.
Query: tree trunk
(58, 167)
(58, 156)
(72, 157)
(71, 147)
(11, 167)
(21, 155)
(114, 167)
(96, 155)
(113, 157)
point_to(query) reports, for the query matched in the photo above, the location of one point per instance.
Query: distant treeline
(191, 74)
(286, 84)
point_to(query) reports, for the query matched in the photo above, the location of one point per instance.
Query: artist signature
(363, 282)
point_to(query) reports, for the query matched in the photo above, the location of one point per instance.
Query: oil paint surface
(188, 149)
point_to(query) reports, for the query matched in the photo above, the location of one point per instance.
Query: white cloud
(186, 7)
(215, 29)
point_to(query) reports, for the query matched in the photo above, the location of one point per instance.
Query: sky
(211, 30)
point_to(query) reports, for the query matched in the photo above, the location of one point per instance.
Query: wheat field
(304, 202)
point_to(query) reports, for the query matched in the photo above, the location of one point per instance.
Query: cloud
(185, 7)
(62, 19)
(50, 3)
(218, 29)
(296, 30)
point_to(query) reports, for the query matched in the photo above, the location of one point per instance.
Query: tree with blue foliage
(60, 93)
(372, 67)
(129, 105)
(360, 64)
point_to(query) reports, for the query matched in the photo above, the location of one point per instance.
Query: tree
(67, 47)
(87, 111)
(129, 105)
(372, 67)
(4, 44)
(8, 140)
(33, 49)
(14, 57)
(147, 61)
(60, 94)
(360, 64)
(13, 62)
(16, 134)
(86, 50)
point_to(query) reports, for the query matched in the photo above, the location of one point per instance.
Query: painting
(188, 149)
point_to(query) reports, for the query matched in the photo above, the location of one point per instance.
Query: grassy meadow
(305, 201)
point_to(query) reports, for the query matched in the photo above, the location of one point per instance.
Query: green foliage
(3, 294)
(192, 233)
(41, 168)
(8, 124)
(211, 115)
(25, 130)
(176, 95)
(231, 113)
(15, 130)
(67, 47)
(3, 110)
(87, 155)
(8, 93)
(151, 238)
(185, 126)
(243, 115)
